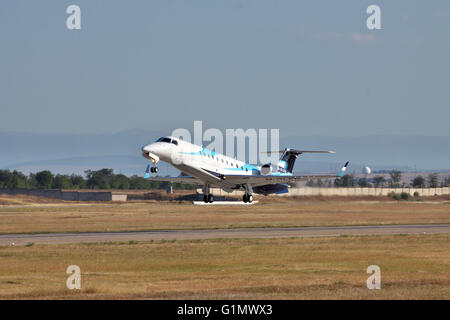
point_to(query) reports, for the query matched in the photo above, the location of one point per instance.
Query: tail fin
(288, 157)
(341, 173)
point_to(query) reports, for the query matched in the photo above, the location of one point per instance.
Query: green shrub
(405, 196)
(400, 196)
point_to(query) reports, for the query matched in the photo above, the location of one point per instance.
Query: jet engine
(267, 169)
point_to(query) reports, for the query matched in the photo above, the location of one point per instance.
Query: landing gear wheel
(155, 169)
(210, 198)
(250, 198)
(244, 198)
(205, 198)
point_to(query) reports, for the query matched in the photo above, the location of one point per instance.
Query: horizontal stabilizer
(300, 151)
(288, 157)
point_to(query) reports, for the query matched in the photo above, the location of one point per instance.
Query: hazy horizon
(122, 151)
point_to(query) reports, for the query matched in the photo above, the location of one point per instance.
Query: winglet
(147, 172)
(341, 173)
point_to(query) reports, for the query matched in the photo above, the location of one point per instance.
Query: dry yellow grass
(412, 267)
(151, 215)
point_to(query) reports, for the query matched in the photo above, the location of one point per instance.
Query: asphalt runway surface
(64, 238)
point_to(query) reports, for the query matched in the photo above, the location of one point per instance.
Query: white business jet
(200, 166)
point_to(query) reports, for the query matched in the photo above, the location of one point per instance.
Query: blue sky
(306, 67)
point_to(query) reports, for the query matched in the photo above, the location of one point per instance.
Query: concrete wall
(312, 191)
(68, 195)
(48, 193)
(119, 197)
(306, 191)
(309, 191)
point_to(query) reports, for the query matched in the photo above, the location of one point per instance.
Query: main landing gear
(207, 196)
(248, 198)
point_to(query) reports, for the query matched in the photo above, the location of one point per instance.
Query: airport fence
(303, 191)
(67, 195)
(318, 191)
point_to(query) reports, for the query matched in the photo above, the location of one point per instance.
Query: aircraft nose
(154, 148)
(151, 152)
(147, 148)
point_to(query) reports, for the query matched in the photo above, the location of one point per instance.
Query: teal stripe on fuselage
(247, 166)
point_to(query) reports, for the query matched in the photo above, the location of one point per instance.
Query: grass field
(412, 267)
(58, 216)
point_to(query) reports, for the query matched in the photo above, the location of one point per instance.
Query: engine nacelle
(267, 169)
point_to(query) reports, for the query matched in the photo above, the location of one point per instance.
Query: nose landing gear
(148, 170)
(154, 169)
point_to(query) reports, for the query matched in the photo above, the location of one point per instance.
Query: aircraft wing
(239, 179)
(242, 179)
(179, 179)
(260, 180)
(271, 179)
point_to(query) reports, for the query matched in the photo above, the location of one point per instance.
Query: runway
(65, 238)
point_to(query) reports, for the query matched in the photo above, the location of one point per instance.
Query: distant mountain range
(72, 153)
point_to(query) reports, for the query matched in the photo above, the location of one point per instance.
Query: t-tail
(288, 157)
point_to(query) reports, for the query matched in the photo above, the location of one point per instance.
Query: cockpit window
(175, 142)
(163, 139)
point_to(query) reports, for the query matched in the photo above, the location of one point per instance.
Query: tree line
(107, 179)
(93, 179)
(378, 181)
